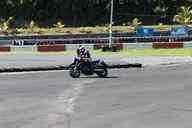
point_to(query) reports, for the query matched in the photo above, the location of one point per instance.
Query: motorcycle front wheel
(74, 73)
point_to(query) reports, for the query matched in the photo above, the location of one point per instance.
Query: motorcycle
(87, 67)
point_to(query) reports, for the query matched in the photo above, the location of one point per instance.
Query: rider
(83, 53)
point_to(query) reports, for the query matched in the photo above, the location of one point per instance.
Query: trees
(184, 15)
(89, 12)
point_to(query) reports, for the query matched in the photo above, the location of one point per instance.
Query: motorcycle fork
(77, 65)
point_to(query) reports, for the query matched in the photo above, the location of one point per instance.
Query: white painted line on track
(30, 72)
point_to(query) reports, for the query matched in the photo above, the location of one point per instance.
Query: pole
(110, 25)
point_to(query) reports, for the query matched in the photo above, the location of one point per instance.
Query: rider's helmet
(82, 49)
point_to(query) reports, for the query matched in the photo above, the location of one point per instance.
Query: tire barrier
(168, 45)
(98, 46)
(51, 48)
(46, 43)
(118, 46)
(24, 48)
(5, 49)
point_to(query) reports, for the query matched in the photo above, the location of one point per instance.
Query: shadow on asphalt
(96, 77)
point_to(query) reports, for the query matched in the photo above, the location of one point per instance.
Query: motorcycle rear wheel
(103, 74)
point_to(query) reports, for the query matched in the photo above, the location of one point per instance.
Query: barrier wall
(168, 45)
(51, 48)
(5, 42)
(98, 46)
(187, 44)
(60, 48)
(5, 49)
(24, 48)
(119, 46)
(137, 45)
(75, 46)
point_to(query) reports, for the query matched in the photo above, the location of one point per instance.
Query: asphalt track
(153, 97)
(44, 60)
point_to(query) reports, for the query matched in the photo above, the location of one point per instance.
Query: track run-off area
(151, 97)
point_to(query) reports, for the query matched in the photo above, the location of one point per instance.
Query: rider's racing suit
(82, 55)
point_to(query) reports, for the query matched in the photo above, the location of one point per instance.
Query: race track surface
(41, 60)
(153, 97)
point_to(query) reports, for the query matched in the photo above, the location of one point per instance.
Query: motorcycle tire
(103, 74)
(74, 73)
(86, 69)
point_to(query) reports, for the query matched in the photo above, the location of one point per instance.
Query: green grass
(147, 52)
(157, 52)
(124, 53)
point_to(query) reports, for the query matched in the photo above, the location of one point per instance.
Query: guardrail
(119, 46)
(97, 40)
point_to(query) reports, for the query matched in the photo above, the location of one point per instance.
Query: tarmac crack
(65, 104)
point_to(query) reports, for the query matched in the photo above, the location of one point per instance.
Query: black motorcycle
(87, 67)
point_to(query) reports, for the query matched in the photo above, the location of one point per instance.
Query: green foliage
(31, 25)
(184, 15)
(134, 23)
(6, 24)
(160, 10)
(88, 12)
(107, 24)
(160, 24)
(59, 25)
(85, 30)
(79, 30)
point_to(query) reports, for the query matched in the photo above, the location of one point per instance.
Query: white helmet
(81, 48)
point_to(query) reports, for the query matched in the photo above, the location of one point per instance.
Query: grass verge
(80, 30)
(156, 52)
